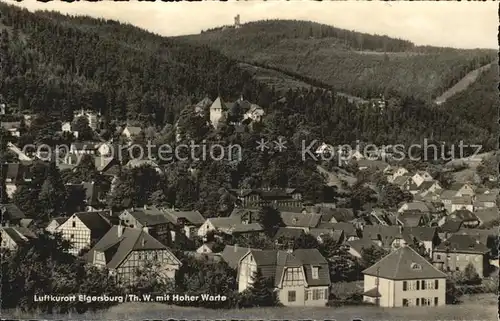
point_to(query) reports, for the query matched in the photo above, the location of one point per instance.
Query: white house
(255, 113)
(421, 176)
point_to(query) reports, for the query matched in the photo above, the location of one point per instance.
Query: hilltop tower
(216, 111)
(237, 23)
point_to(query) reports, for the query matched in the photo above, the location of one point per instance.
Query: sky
(444, 24)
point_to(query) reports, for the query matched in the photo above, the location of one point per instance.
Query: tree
(270, 219)
(392, 196)
(52, 195)
(81, 125)
(262, 291)
(471, 276)
(452, 293)
(372, 255)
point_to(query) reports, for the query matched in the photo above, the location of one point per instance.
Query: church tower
(237, 23)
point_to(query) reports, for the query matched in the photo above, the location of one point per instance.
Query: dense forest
(54, 64)
(355, 63)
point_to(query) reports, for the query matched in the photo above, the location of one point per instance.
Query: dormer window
(416, 266)
(315, 272)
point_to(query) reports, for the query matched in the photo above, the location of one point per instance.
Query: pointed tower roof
(218, 103)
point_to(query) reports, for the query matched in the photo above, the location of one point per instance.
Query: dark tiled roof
(362, 243)
(119, 247)
(150, 216)
(404, 264)
(14, 235)
(11, 212)
(463, 215)
(348, 228)
(289, 232)
(451, 225)
(193, 217)
(488, 214)
(94, 221)
(232, 254)
(481, 235)
(245, 214)
(373, 293)
(340, 214)
(411, 219)
(421, 233)
(462, 244)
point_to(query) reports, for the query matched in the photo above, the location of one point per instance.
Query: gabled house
(91, 116)
(233, 254)
(428, 187)
(388, 237)
(350, 231)
(83, 229)
(394, 172)
(467, 218)
(337, 215)
(427, 236)
(463, 189)
(255, 113)
(205, 248)
(11, 215)
(403, 278)
(458, 251)
(301, 277)
(150, 218)
(403, 182)
(412, 219)
(125, 250)
(188, 222)
(16, 174)
(415, 206)
(12, 237)
(131, 131)
(421, 176)
(80, 148)
(55, 223)
(487, 215)
(276, 197)
(229, 226)
(320, 234)
(12, 127)
(463, 202)
(484, 201)
(66, 127)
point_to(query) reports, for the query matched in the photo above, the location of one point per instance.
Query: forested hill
(356, 63)
(54, 63)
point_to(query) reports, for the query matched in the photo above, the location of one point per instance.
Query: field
(477, 307)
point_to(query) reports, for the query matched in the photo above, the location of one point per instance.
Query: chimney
(145, 229)
(120, 230)
(145, 207)
(143, 242)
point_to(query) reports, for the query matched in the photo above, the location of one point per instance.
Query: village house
(350, 231)
(55, 223)
(16, 174)
(463, 202)
(300, 220)
(91, 116)
(130, 132)
(11, 215)
(393, 172)
(412, 219)
(240, 222)
(232, 255)
(205, 248)
(487, 216)
(421, 176)
(458, 251)
(337, 215)
(124, 250)
(428, 187)
(255, 113)
(83, 229)
(150, 218)
(426, 236)
(188, 222)
(301, 277)
(12, 127)
(484, 201)
(404, 182)
(403, 278)
(321, 233)
(12, 237)
(415, 206)
(463, 189)
(277, 197)
(66, 127)
(466, 217)
(389, 238)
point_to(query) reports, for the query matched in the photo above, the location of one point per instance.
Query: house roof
(233, 254)
(94, 221)
(488, 214)
(462, 200)
(9, 125)
(133, 130)
(448, 194)
(289, 232)
(417, 206)
(218, 103)
(193, 217)
(300, 219)
(59, 220)
(458, 186)
(233, 225)
(273, 263)
(451, 225)
(11, 212)
(318, 232)
(120, 246)
(462, 243)
(427, 184)
(205, 102)
(464, 215)
(362, 243)
(486, 198)
(18, 238)
(404, 264)
(411, 219)
(150, 216)
(401, 180)
(348, 228)
(422, 233)
(340, 214)
(244, 213)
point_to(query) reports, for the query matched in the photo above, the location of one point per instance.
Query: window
(315, 272)
(73, 224)
(72, 236)
(318, 294)
(438, 257)
(291, 296)
(418, 285)
(457, 269)
(436, 300)
(425, 301)
(436, 284)
(405, 302)
(418, 301)
(467, 258)
(405, 285)
(415, 266)
(423, 285)
(307, 294)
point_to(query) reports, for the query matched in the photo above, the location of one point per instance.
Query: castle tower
(216, 111)
(237, 23)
